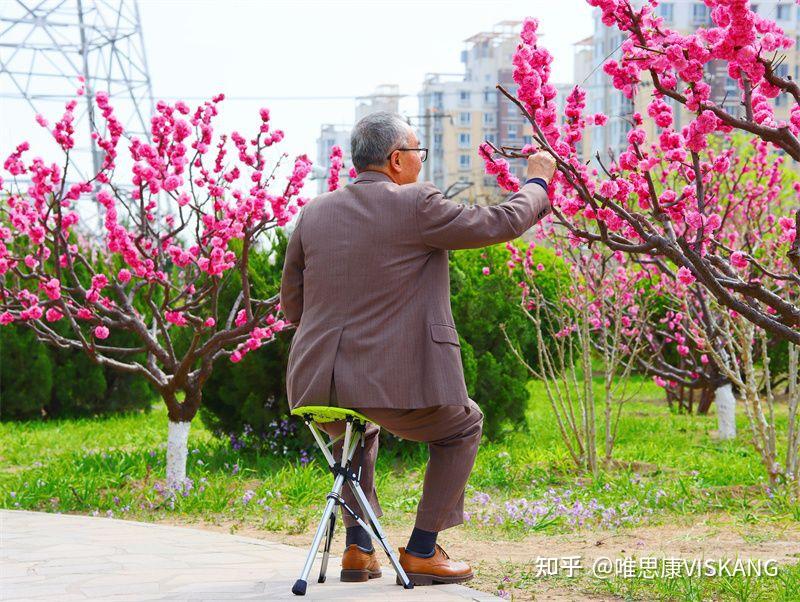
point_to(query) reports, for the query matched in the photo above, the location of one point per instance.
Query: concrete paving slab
(65, 557)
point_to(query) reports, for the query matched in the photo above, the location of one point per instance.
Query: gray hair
(375, 136)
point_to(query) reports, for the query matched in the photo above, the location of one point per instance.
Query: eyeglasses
(423, 152)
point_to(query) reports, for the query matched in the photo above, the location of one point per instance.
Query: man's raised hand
(541, 165)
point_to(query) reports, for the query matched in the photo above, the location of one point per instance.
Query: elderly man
(366, 279)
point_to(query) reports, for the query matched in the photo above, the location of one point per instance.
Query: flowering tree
(668, 203)
(603, 311)
(677, 219)
(740, 350)
(162, 274)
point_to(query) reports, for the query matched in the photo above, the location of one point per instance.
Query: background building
(459, 111)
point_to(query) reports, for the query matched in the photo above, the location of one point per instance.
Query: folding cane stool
(354, 436)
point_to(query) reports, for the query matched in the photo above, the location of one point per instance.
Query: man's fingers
(541, 165)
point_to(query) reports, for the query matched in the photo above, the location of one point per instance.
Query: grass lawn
(674, 491)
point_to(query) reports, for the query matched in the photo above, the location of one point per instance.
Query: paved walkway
(64, 557)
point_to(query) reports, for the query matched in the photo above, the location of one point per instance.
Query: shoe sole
(428, 579)
(358, 575)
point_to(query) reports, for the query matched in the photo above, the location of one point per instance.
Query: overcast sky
(307, 61)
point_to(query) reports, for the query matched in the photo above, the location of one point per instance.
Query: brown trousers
(452, 433)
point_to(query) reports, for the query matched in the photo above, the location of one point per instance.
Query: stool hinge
(340, 500)
(349, 475)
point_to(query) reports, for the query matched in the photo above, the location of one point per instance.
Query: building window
(437, 100)
(780, 100)
(491, 138)
(512, 131)
(464, 161)
(437, 141)
(464, 140)
(699, 14)
(665, 11)
(488, 119)
(464, 118)
(489, 97)
(754, 8)
(783, 11)
(782, 70)
(527, 139)
(463, 97)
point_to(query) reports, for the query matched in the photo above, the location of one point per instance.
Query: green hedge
(38, 380)
(41, 381)
(494, 376)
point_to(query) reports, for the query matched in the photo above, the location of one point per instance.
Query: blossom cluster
(185, 161)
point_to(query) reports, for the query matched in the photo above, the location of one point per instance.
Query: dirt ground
(714, 537)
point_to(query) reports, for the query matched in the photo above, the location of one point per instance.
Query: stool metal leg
(366, 508)
(326, 550)
(328, 522)
(299, 587)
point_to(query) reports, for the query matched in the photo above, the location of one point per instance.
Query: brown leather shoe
(439, 568)
(358, 565)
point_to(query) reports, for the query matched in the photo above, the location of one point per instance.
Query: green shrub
(494, 376)
(41, 381)
(247, 401)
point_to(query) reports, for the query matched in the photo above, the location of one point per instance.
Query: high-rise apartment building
(459, 111)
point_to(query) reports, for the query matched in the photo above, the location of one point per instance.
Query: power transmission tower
(45, 45)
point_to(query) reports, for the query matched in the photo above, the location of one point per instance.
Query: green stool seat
(327, 413)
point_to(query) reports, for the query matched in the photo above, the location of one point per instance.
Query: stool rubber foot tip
(299, 588)
(321, 580)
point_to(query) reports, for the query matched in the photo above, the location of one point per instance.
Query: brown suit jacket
(366, 277)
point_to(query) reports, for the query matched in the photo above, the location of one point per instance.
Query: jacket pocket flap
(444, 333)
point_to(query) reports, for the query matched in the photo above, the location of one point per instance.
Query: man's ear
(394, 162)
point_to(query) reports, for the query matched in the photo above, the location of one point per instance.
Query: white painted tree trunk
(177, 450)
(726, 412)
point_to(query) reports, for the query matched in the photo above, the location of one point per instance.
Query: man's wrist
(540, 181)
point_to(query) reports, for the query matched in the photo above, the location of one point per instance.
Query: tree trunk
(177, 450)
(180, 419)
(706, 398)
(726, 412)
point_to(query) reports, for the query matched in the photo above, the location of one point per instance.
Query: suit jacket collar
(371, 176)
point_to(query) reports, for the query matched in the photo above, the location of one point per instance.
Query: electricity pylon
(45, 45)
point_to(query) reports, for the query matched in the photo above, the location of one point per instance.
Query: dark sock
(422, 543)
(358, 535)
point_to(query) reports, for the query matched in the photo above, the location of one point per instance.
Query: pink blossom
(738, 260)
(175, 317)
(498, 167)
(685, 275)
(53, 315)
(53, 288)
(101, 332)
(337, 164)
